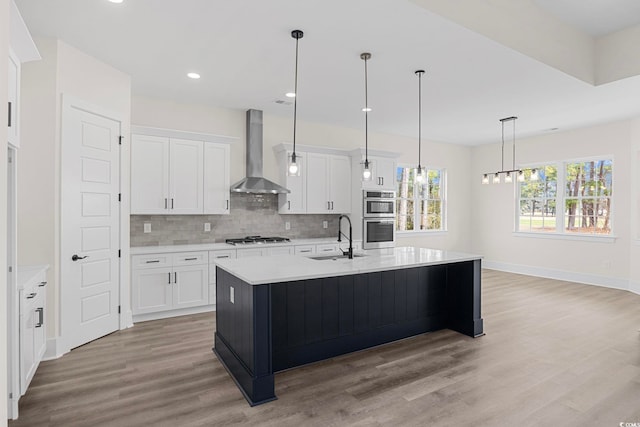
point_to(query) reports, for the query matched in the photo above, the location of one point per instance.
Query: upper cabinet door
(13, 97)
(216, 178)
(340, 184)
(149, 175)
(186, 177)
(318, 183)
(385, 173)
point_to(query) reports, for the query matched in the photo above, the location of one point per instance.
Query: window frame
(561, 197)
(416, 200)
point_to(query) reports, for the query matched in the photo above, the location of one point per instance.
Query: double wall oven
(378, 219)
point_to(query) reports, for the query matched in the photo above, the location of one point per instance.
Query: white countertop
(137, 250)
(287, 268)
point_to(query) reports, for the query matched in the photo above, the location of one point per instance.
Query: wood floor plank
(554, 353)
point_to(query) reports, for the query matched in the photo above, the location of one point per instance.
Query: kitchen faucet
(349, 252)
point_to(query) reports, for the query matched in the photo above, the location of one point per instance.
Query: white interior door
(90, 226)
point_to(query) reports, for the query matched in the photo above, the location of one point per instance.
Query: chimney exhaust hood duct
(254, 182)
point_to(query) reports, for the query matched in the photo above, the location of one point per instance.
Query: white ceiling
(595, 17)
(244, 51)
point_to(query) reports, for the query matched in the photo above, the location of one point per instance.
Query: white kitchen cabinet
(13, 96)
(294, 202)
(247, 252)
(213, 257)
(382, 174)
(216, 178)
(280, 250)
(328, 183)
(167, 282)
(32, 328)
(179, 176)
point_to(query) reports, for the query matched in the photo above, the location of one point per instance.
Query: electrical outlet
(232, 295)
(325, 224)
(207, 226)
(147, 227)
(287, 225)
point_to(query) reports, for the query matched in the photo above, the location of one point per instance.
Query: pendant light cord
(419, 73)
(514, 145)
(297, 36)
(366, 114)
(502, 168)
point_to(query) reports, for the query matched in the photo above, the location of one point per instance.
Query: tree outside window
(419, 205)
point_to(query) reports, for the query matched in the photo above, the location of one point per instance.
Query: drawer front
(327, 248)
(243, 253)
(190, 258)
(280, 250)
(305, 250)
(28, 297)
(222, 254)
(150, 261)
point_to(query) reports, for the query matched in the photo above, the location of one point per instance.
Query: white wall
(66, 71)
(4, 53)
(634, 248)
(200, 118)
(493, 212)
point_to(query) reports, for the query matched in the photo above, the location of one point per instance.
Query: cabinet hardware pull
(382, 178)
(222, 256)
(169, 277)
(289, 204)
(304, 251)
(331, 205)
(328, 206)
(9, 113)
(42, 284)
(175, 277)
(171, 203)
(31, 295)
(227, 204)
(190, 259)
(40, 317)
(153, 261)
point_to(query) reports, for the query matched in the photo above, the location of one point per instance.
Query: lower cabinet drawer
(190, 258)
(305, 250)
(150, 261)
(327, 248)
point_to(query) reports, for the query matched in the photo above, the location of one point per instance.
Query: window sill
(565, 236)
(421, 232)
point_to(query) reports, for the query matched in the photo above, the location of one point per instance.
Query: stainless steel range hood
(254, 182)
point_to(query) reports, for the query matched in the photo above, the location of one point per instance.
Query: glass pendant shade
(520, 176)
(419, 174)
(508, 178)
(496, 178)
(366, 171)
(485, 179)
(293, 168)
(534, 175)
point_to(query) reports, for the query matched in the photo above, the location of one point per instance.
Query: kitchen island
(280, 312)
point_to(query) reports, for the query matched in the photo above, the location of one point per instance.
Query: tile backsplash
(251, 214)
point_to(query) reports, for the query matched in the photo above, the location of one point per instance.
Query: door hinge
(120, 138)
(119, 252)
(118, 309)
(119, 197)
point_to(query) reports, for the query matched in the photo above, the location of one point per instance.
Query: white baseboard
(569, 276)
(54, 349)
(634, 287)
(173, 313)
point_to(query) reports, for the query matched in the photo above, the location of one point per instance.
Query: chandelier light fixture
(293, 168)
(419, 171)
(366, 170)
(513, 173)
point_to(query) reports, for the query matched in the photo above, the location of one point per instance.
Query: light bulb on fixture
(366, 171)
(520, 176)
(496, 178)
(507, 178)
(485, 178)
(534, 175)
(294, 167)
(419, 174)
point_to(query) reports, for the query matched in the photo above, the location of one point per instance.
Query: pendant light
(419, 172)
(366, 170)
(509, 175)
(293, 168)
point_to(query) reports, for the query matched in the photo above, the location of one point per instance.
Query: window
(581, 188)
(419, 206)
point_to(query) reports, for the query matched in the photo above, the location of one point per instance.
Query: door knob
(76, 257)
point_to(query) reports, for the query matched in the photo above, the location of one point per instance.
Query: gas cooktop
(256, 240)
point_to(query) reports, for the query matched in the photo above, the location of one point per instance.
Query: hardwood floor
(555, 354)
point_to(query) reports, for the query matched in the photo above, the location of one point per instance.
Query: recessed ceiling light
(366, 109)
(116, 1)
(193, 75)
(290, 95)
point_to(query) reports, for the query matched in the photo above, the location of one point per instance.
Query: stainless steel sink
(335, 257)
